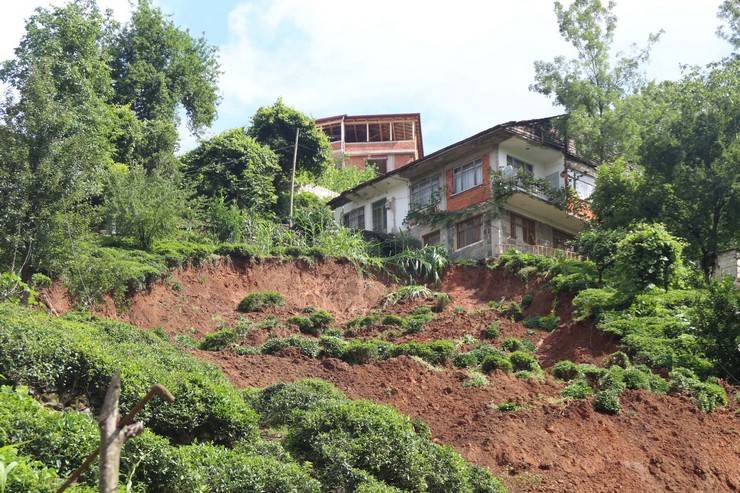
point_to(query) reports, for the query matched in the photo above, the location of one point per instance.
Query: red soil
(657, 443)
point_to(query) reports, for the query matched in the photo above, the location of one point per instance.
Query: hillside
(518, 426)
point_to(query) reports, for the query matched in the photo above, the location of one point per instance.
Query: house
(388, 142)
(517, 185)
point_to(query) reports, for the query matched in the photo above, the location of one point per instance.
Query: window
(380, 163)
(468, 232)
(467, 176)
(334, 132)
(379, 132)
(403, 131)
(522, 228)
(560, 239)
(432, 238)
(424, 192)
(519, 165)
(355, 219)
(380, 220)
(355, 132)
(582, 183)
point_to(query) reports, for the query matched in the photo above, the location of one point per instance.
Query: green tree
(275, 126)
(234, 166)
(143, 206)
(729, 11)
(717, 322)
(647, 255)
(591, 85)
(158, 68)
(55, 133)
(599, 245)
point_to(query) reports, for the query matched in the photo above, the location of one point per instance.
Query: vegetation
(259, 300)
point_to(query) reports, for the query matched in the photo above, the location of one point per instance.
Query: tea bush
(492, 331)
(309, 347)
(576, 390)
(218, 340)
(522, 360)
(78, 354)
(565, 370)
(258, 301)
(434, 352)
(607, 402)
(496, 362)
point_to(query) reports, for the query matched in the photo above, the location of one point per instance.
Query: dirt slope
(658, 443)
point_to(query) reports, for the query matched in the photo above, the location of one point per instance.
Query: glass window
(468, 231)
(424, 192)
(522, 228)
(467, 176)
(432, 238)
(355, 219)
(380, 163)
(379, 132)
(334, 132)
(519, 165)
(403, 131)
(355, 132)
(380, 219)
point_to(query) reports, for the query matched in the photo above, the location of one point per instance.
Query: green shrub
(426, 264)
(521, 360)
(434, 352)
(407, 293)
(545, 322)
(475, 379)
(309, 347)
(592, 373)
(527, 300)
(507, 407)
(565, 370)
(607, 402)
(78, 354)
(577, 390)
(333, 347)
(258, 301)
(315, 323)
(13, 289)
(635, 379)
(352, 442)
(496, 362)
(40, 281)
(364, 321)
(620, 359)
(492, 331)
(185, 341)
(394, 320)
(362, 352)
(21, 474)
(647, 255)
(278, 404)
(465, 360)
(513, 344)
(511, 309)
(594, 301)
(216, 341)
(180, 252)
(707, 396)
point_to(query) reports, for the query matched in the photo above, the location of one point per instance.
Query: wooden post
(112, 437)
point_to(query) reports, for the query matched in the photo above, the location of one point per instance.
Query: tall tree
(591, 85)
(56, 131)
(235, 167)
(275, 126)
(689, 153)
(158, 68)
(729, 11)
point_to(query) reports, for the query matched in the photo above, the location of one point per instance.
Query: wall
(481, 193)
(397, 195)
(728, 264)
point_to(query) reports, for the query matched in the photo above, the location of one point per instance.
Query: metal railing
(545, 250)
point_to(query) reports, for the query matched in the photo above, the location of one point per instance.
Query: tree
(158, 68)
(143, 206)
(647, 255)
(729, 11)
(234, 166)
(718, 325)
(591, 85)
(55, 133)
(599, 245)
(275, 126)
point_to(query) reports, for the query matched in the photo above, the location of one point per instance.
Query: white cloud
(464, 65)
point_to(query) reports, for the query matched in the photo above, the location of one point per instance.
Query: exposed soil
(657, 443)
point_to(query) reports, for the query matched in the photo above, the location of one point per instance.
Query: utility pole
(292, 178)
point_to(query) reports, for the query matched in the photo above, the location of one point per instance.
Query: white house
(501, 188)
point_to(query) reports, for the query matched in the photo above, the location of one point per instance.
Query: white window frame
(426, 186)
(460, 173)
(518, 164)
(360, 213)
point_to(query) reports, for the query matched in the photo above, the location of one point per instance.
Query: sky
(464, 65)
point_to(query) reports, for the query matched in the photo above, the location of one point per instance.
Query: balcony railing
(545, 250)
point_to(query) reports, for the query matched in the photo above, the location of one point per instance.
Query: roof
(415, 116)
(543, 124)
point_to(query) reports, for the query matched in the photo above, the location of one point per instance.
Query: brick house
(448, 198)
(388, 142)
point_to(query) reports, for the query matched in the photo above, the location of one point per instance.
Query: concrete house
(388, 142)
(515, 185)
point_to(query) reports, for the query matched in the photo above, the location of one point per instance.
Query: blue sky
(464, 65)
